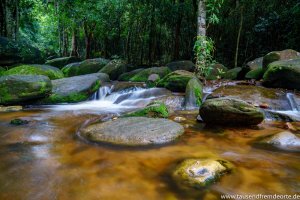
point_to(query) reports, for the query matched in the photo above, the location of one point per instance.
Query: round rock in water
(134, 131)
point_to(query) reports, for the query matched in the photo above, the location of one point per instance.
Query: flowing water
(46, 160)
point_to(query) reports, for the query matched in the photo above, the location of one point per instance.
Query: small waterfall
(102, 93)
(292, 102)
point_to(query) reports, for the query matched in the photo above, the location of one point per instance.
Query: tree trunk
(88, 39)
(9, 23)
(74, 51)
(177, 33)
(201, 20)
(238, 36)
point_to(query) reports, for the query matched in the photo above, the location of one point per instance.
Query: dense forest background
(151, 32)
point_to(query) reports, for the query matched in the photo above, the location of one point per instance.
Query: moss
(127, 76)
(153, 110)
(144, 74)
(198, 94)
(61, 62)
(51, 72)
(176, 81)
(232, 74)
(256, 74)
(18, 122)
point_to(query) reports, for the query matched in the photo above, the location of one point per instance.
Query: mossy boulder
(193, 93)
(153, 110)
(20, 88)
(2, 70)
(216, 71)
(283, 141)
(186, 65)
(283, 74)
(61, 62)
(279, 55)
(255, 64)
(143, 75)
(133, 131)
(89, 66)
(227, 111)
(199, 173)
(128, 75)
(12, 52)
(256, 74)
(176, 81)
(114, 69)
(19, 122)
(73, 89)
(46, 70)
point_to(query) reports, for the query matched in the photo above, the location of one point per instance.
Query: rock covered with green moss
(73, 89)
(2, 70)
(114, 69)
(228, 111)
(61, 62)
(143, 75)
(256, 74)
(256, 63)
(153, 110)
(133, 131)
(279, 55)
(193, 93)
(283, 74)
(89, 66)
(186, 65)
(198, 173)
(216, 71)
(128, 75)
(176, 81)
(12, 52)
(20, 88)
(46, 70)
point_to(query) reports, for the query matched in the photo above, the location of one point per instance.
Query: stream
(46, 160)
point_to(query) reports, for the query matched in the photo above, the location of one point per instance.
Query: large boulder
(198, 173)
(46, 70)
(73, 89)
(12, 52)
(176, 81)
(114, 69)
(155, 110)
(61, 62)
(255, 64)
(19, 88)
(216, 71)
(256, 74)
(186, 65)
(89, 66)
(133, 131)
(143, 75)
(128, 75)
(193, 93)
(237, 73)
(279, 55)
(283, 141)
(227, 111)
(283, 74)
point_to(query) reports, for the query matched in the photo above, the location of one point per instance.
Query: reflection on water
(45, 160)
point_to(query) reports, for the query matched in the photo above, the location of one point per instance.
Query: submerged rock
(134, 131)
(283, 74)
(176, 81)
(228, 111)
(143, 75)
(19, 88)
(19, 122)
(193, 93)
(199, 173)
(114, 69)
(186, 65)
(46, 70)
(89, 66)
(279, 55)
(284, 141)
(73, 89)
(154, 110)
(61, 62)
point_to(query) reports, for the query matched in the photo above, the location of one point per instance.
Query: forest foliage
(150, 32)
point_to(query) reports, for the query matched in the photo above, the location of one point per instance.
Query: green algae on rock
(199, 173)
(46, 70)
(176, 81)
(19, 88)
(193, 93)
(134, 131)
(154, 110)
(227, 111)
